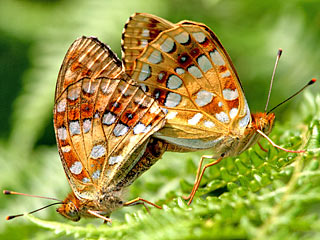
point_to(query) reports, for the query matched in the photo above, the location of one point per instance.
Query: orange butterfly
(185, 67)
(103, 123)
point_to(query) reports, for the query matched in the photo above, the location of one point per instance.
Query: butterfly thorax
(74, 208)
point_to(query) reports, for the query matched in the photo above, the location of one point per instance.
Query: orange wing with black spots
(102, 120)
(192, 77)
(138, 32)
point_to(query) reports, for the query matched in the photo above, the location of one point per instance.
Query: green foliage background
(254, 196)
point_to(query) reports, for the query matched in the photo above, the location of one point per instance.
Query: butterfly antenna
(39, 209)
(312, 81)
(7, 192)
(272, 78)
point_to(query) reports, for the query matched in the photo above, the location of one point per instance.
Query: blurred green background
(35, 35)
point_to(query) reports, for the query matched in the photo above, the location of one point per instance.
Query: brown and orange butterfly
(102, 122)
(186, 69)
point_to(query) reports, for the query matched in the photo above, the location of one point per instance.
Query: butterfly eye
(69, 211)
(72, 212)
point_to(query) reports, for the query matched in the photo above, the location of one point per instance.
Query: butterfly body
(105, 203)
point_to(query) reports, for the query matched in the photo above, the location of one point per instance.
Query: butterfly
(102, 122)
(187, 70)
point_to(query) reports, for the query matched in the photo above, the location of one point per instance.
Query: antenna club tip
(9, 217)
(312, 81)
(6, 192)
(280, 52)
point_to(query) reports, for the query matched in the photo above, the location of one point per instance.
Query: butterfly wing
(191, 75)
(100, 118)
(88, 57)
(140, 29)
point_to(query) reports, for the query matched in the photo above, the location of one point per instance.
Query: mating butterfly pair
(175, 90)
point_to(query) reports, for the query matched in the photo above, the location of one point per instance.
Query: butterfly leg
(262, 148)
(96, 214)
(138, 201)
(200, 175)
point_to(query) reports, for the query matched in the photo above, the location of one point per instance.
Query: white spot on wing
(203, 98)
(222, 117)
(209, 124)
(143, 43)
(194, 71)
(62, 133)
(243, 122)
(216, 58)
(229, 94)
(145, 72)
(66, 149)
(199, 36)
(73, 93)
(182, 37)
(172, 99)
(195, 119)
(145, 33)
(174, 82)
(171, 115)
(225, 74)
(85, 180)
(155, 57)
(108, 118)
(86, 125)
(89, 86)
(61, 106)
(114, 160)
(167, 45)
(97, 151)
(233, 112)
(179, 71)
(204, 63)
(120, 129)
(139, 128)
(76, 168)
(96, 174)
(161, 75)
(220, 104)
(74, 128)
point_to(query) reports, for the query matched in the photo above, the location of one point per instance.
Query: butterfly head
(70, 208)
(73, 208)
(263, 121)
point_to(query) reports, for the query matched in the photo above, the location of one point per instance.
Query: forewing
(99, 121)
(191, 75)
(140, 29)
(88, 57)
